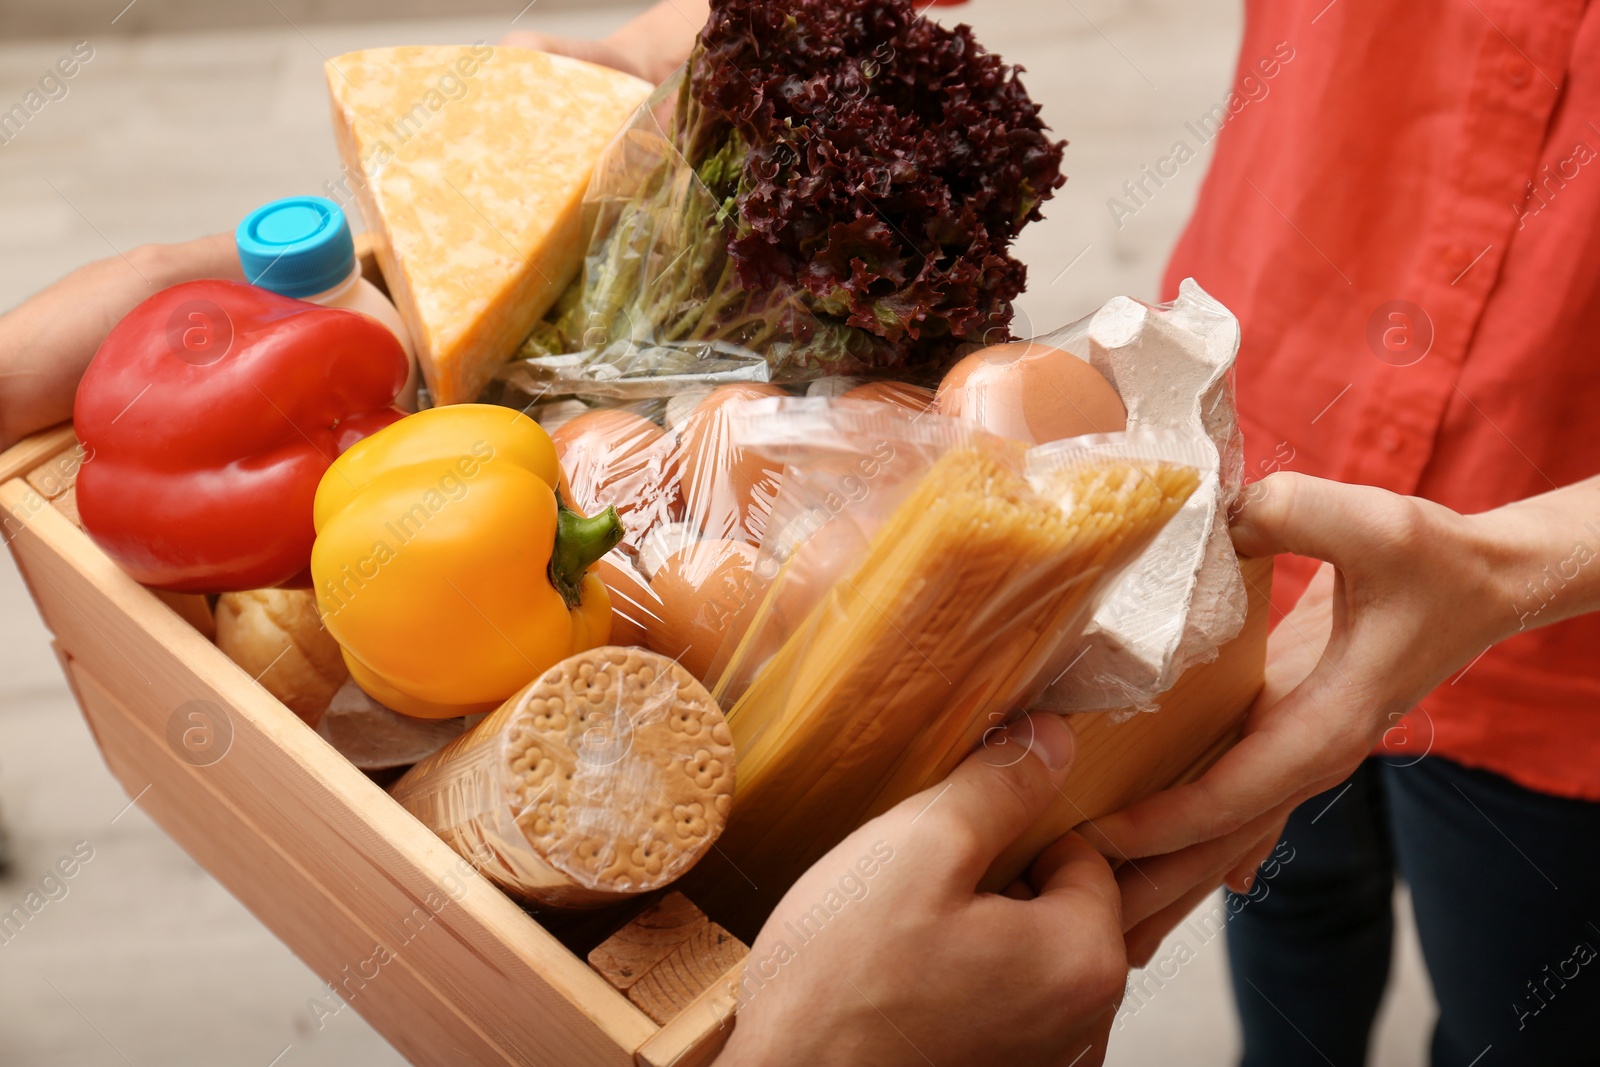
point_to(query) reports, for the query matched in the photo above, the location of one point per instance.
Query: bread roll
(277, 636)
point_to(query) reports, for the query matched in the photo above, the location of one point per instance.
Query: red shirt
(1441, 153)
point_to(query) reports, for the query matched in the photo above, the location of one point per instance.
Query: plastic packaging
(672, 466)
(868, 586)
(607, 777)
(301, 247)
(926, 581)
(647, 311)
(1184, 597)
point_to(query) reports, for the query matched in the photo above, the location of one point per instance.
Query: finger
(596, 52)
(1018, 890)
(1072, 866)
(1298, 643)
(1152, 886)
(1306, 516)
(1244, 875)
(539, 42)
(1143, 940)
(1080, 909)
(995, 794)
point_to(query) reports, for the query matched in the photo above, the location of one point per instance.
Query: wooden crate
(308, 843)
(438, 960)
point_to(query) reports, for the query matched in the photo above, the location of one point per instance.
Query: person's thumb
(995, 794)
(1305, 516)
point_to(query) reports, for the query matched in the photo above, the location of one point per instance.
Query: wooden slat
(695, 1037)
(339, 836)
(687, 971)
(192, 609)
(56, 479)
(28, 454)
(629, 954)
(72, 685)
(67, 504)
(58, 473)
(325, 924)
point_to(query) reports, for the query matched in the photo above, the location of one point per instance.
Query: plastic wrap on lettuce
(828, 188)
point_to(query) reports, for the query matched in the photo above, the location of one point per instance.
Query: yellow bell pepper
(447, 566)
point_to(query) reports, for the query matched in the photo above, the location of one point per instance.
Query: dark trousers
(1506, 887)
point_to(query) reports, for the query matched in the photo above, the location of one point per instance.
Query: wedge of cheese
(469, 165)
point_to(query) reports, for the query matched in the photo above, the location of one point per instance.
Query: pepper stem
(580, 543)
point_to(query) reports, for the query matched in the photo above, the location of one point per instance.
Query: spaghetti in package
(918, 584)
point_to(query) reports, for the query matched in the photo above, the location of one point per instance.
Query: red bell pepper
(210, 414)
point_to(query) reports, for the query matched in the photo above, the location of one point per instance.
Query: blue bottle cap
(298, 247)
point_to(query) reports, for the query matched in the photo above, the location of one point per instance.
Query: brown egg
(1031, 392)
(661, 544)
(912, 397)
(633, 603)
(830, 554)
(616, 458)
(726, 490)
(699, 592)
